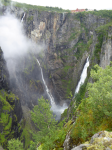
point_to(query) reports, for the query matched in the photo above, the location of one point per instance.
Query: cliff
(69, 40)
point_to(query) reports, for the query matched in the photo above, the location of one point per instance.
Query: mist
(13, 41)
(58, 110)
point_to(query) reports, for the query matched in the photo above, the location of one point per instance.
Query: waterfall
(23, 18)
(57, 110)
(63, 16)
(47, 90)
(83, 76)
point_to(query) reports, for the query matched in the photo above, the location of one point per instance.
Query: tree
(100, 93)
(95, 112)
(45, 122)
(14, 144)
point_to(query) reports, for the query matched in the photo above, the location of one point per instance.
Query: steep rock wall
(69, 39)
(106, 49)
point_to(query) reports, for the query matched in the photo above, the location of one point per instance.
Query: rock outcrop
(106, 49)
(101, 141)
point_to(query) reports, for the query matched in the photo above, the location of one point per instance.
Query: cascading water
(23, 18)
(83, 76)
(47, 90)
(57, 110)
(63, 16)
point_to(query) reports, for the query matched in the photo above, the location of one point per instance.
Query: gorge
(45, 53)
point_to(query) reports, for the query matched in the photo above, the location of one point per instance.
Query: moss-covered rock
(99, 141)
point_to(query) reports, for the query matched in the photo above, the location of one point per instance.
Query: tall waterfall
(57, 110)
(63, 15)
(47, 90)
(83, 76)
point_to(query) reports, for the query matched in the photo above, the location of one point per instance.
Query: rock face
(106, 50)
(26, 82)
(66, 143)
(101, 141)
(69, 40)
(10, 107)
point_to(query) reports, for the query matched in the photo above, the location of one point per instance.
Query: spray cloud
(12, 38)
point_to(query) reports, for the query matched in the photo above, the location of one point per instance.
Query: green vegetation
(45, 123)
(100, 13)
(95, 111)
(64, 114)
(15, 145)
(7, 101)
(98, 46)
(67, 86)
(104, 28)
(26, 135)
(93, 114)
(49, 134)
(82, 47)
(39, 8)
(81, 94)
(34, 7)
(75, 33)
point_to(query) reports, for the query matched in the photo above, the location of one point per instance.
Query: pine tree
(45, 122)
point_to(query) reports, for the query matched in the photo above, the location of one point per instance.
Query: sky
(71, 4)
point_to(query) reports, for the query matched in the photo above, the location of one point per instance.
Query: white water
(23, 18)
(83, 76)
(57, 110)
(47, 90)
(63, 16)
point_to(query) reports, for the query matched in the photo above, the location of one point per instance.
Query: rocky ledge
(99, 141)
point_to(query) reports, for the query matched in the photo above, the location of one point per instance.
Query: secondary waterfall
(47, 90)
(57, 110)
(83, 76)
(63, 16)
(23, 18)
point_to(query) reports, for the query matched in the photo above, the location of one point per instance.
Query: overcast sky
(72, 4)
